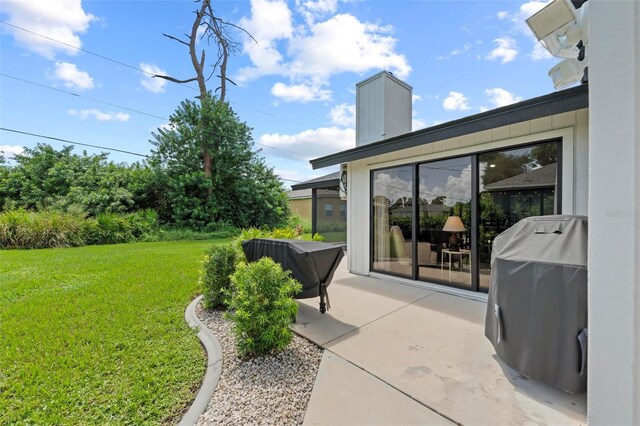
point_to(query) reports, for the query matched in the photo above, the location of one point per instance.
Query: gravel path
(273, 389)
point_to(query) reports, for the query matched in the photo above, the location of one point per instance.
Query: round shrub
(215, 279)
(263, 308)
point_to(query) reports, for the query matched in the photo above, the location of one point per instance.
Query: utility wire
(115, 61)
(84, 97)
(123, 107)
(71, 142)
(95, 146)
(125, 65)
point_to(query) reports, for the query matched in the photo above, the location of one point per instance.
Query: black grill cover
(537, 308)
(312, 263)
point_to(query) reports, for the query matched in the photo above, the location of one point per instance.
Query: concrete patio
(401, 354)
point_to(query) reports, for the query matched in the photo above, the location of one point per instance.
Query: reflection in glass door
(444, 224)
(392, 218)
(514, 184)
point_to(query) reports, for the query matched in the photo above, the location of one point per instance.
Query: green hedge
(20, 229)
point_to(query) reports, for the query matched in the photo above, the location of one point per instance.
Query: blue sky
(295, 85)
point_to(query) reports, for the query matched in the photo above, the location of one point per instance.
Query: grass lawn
(96, 334)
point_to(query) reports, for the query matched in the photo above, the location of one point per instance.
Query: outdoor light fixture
(454, 225)
(566, 73)
(564, 31)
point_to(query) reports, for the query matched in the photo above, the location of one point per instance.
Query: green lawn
(96, 334)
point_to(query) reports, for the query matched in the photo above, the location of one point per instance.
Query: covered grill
(311, 263)
(537, 307)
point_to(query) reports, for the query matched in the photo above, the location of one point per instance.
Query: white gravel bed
(270, 390)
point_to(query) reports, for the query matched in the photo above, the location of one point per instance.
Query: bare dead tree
(215, 31)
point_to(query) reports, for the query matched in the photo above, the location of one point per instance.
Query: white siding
(613, 392)
(397, 109)
(572, 127)
(383, 108)
(370, 112)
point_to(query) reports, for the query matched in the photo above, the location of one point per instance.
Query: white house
(486, 171)
(575, 151)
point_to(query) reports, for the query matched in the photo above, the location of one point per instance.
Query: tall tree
(217, 30)
(243, 191)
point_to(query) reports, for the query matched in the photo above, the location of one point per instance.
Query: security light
(564, 31)
(566, 73)
(559, 26)
(552, 18)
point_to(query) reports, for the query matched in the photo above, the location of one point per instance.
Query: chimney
(383, 108)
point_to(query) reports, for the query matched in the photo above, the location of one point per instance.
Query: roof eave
(542, 106)
(326, 184)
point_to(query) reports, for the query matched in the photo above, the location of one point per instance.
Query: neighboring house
(300, 203)
(318, 201)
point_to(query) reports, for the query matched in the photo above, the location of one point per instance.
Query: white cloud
(311, 53)
(314, 9)
(506, 51)
(518, 20)
(344, 115)
(270, 21)
(71, 76)
(415, 98)
(99, 115)
(300, 93)
(311, 143)
(501, 97)
(456, 101)
(345, 44)
(456, 52)
(151, 83)
(417, 123)
(539, 53)
(456, 188)
(10, 151)
(393, 187)
(60, 20)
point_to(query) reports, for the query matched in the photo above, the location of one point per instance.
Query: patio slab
(430, 346)
(338, 399)
(355, 301)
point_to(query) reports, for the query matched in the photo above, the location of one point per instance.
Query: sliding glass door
(514, 184)
(444, 221)
(392, 216)
(436, 221)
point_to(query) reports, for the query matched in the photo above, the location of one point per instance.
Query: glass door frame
(475, 210)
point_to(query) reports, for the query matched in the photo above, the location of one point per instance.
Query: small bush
(295, 221)
(114, 229)
(215, 279)
(142, 222)
(263, 308)
(251, 233)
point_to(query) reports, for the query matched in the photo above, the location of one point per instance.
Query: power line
(125, 65)
(84, 97)
(115, 61)
(123, 107)
(71, 142)
(96, 146)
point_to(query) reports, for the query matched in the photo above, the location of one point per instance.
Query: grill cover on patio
(312, 263)
(537, 308)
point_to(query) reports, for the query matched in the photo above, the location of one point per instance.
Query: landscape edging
(214, 365)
